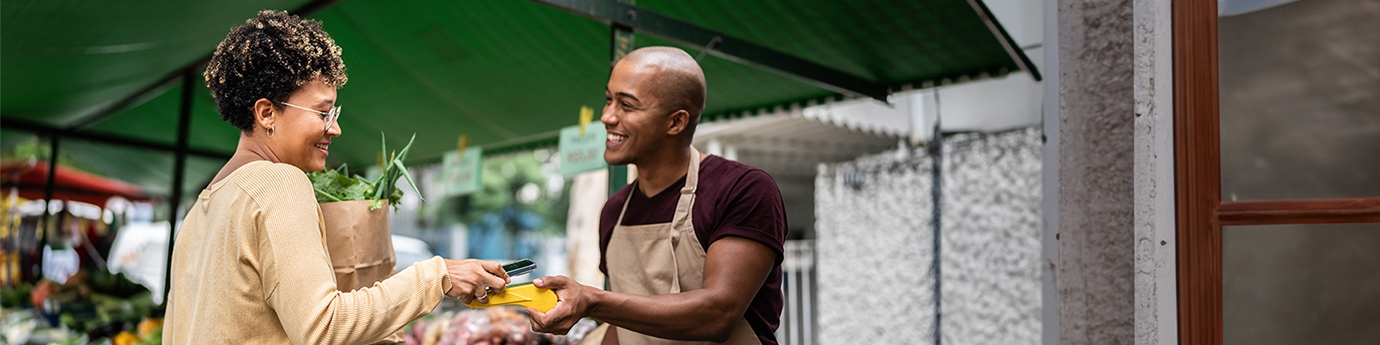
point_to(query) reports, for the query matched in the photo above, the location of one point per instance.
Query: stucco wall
(875, 247)
(873, 251)
(991, 238)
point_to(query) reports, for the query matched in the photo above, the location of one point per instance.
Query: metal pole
(937, 196)
(796, 312)
(42, 232)
(621, 38)
(807, 293)
(179, 163)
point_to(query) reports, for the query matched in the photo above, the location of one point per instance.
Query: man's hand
(469, 278)
(572, 303)
(734, 270)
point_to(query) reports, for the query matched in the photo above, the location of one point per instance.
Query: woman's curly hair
(270, 56)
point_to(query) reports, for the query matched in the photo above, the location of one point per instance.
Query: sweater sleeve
(300, 284)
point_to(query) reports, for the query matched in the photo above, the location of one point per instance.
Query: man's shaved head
(652, 103)
(678, 82)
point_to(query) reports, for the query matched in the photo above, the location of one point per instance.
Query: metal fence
(798, 285)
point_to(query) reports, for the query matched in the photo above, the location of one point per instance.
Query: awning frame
(648, 22)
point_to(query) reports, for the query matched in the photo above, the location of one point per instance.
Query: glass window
(1301, 284)
(1300, 99)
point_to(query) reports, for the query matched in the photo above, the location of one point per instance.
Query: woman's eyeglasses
(330, 116)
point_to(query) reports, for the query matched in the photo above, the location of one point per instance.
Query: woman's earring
(270, 131)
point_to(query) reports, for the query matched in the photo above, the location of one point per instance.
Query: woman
(250, 265)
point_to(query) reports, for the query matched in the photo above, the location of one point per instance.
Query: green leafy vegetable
(336, 185)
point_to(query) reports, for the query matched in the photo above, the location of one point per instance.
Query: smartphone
(520, 267)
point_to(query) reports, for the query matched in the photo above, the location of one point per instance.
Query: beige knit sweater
(250, 266)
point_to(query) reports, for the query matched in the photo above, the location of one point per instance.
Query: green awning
(507, 73)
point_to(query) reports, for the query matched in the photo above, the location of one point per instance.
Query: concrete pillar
(1109, 146)
(1156, 301)
(1096, 191)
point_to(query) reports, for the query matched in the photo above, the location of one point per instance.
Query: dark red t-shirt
(732, 199)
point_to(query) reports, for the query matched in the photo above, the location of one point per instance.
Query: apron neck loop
(692, 182)
(692, 174)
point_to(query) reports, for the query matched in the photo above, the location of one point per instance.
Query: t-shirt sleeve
(753, 209)
(299, 280)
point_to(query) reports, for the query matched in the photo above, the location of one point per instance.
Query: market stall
(70, 295)
(470, 69)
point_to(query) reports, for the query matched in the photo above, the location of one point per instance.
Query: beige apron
(664, 258)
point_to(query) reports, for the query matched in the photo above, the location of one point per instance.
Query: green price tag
(582, 153)
(462, 175)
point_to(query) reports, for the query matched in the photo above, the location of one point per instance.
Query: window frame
(1200, 212)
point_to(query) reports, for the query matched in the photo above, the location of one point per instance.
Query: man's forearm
(696, 315)
(735, 270)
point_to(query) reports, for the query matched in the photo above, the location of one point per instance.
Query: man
(693, 247)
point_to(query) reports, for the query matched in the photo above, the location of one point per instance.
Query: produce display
(491, 326)
(150, 332)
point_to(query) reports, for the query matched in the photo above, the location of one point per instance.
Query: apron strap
(692, 182)
(625, 205)
(687, 193)
(684, 211)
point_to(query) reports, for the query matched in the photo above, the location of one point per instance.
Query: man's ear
(678, 122)
(264, 113)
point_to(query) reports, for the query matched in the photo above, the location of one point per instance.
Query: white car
(409, 250)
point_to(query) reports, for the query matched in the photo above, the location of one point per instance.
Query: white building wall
(991, 238)
(875, 244)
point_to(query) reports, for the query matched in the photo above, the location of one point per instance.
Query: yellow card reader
(522, 294)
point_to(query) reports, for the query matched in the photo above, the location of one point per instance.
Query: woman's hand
(469, 278)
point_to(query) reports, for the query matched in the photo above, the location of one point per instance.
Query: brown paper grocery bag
(359, 242)
(360, 245)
